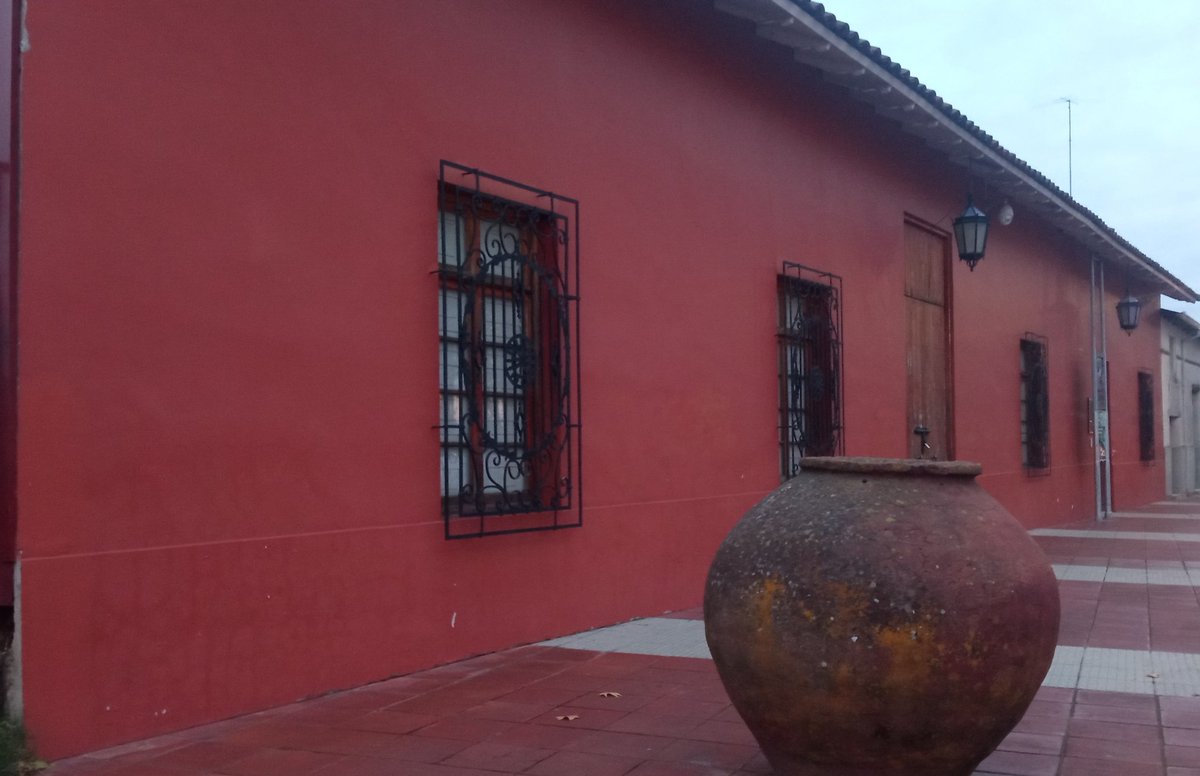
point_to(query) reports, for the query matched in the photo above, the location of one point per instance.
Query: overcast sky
(1130, 69)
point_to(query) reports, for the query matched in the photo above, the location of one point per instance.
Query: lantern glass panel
(970, 232)
(1128, 311)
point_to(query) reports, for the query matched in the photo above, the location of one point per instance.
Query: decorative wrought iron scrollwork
(508, 351)
(810, 365)
(520, 361)
(1035, 402)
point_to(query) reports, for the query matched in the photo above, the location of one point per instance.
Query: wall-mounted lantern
(970, 233)
(1128, 310)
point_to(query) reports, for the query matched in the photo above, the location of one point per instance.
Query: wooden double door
(927, 300)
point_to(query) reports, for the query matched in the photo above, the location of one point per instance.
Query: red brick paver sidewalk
(533, 710)
(551, 711)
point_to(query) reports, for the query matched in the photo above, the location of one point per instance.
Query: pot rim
(868, 465)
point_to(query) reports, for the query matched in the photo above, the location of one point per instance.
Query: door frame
(948, 311)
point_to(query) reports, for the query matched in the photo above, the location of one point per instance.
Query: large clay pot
(876, 617)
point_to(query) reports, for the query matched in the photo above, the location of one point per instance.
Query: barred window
(1035, 403)
(1145, 399)
(810, 365)
(508, 328)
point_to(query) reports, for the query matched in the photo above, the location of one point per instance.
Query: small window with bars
(810, 365)
(508, 373)
(1035, 403)
(1145, 399)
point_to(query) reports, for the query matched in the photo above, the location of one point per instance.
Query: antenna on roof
(1070, 182)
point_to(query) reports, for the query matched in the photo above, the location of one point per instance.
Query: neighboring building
(1181, 401)
(273, 351)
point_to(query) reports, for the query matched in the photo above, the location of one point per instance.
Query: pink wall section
(228, 471)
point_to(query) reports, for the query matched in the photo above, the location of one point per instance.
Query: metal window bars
(508, 326)
(810, 365)
(1035, 403)
(1145, 400)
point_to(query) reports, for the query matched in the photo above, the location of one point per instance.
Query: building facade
(358, 337)
(1181, 402)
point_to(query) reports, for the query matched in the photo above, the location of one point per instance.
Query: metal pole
(1070, 165)
(1070, 152)
(1108, 447)
(1097, 471)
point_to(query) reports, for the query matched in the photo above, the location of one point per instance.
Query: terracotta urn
(876, 617)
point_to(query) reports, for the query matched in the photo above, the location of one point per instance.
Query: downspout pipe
(1102, 442)
(1103, 375)
(1096, 431)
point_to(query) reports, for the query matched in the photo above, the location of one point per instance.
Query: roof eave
(820, 41)
(1182, 320)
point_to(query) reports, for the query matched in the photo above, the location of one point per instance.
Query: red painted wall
(1128, 353)
(229, 477)
(8, 254)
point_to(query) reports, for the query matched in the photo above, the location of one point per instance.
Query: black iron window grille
(1145, 399)
(1035, 403)
(508, 323)
(810, 365)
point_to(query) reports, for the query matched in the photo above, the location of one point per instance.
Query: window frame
(1034, 397)
(508, 340)
(803, 340)
(1145, 413)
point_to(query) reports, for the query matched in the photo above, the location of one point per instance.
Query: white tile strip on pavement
(1156, 515)
(663, 636)
(1175, 573)
(1153, 536)
(1142, 672)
